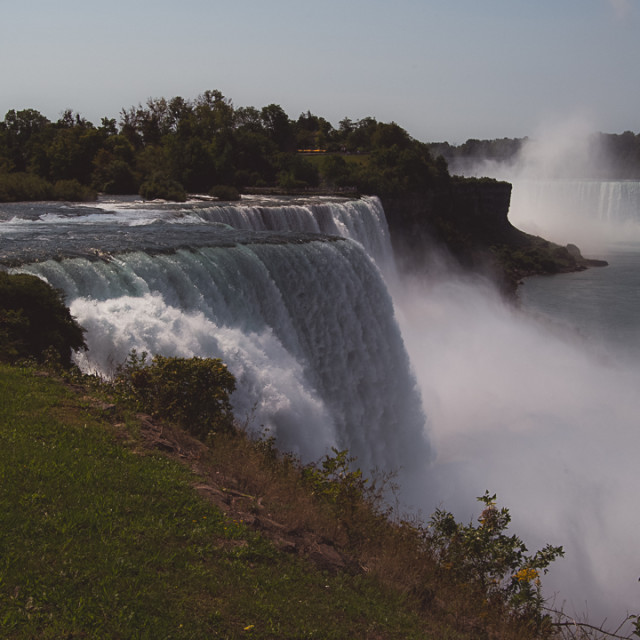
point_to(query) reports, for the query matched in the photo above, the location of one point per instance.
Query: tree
(389, 135)
(209, 114)
(22, 131)
(312, 131)
(34, 319)
(278, 127)
(72, 151)
(336, 171)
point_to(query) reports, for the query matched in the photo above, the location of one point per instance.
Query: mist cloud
(562, 187)
(621, 8)
(528, 410)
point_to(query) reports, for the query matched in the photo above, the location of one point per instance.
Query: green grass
(98, 541)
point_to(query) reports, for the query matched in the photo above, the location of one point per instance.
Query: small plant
(494, 561)
(333, 479)
(191, 392)
(635, 622)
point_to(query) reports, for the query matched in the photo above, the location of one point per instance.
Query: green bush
(225, 192)
(24, 187)
(494, 561)
(34, 321)
(160, 187)
(334, 480)
(72, 191)
(190, 392)
(27, 187)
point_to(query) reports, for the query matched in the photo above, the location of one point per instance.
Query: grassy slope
(102, 537)
(99, 541)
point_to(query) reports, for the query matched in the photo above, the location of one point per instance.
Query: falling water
(287, 295)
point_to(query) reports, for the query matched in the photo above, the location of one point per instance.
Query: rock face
(464, 216)
(470, 218)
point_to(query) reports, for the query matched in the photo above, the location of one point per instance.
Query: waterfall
(304, 322)
(361, 220)
(588, 212)
(295, 299)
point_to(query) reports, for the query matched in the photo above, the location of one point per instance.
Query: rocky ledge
(470, 218)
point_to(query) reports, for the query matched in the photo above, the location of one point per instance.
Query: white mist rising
(529, 411)
(558, 190)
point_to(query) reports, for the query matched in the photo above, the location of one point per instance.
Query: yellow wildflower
(526, 575)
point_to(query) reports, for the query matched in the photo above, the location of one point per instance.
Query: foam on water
(516, 405)
(308, 329)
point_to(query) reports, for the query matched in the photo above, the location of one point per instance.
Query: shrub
(190, 392)
(160, 187)
(487, 557)
(72, 191)
(34, 321)
(225, 192)
(27, 187)
(334, 480)
(23, 187)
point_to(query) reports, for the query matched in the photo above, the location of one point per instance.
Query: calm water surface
(602, 304)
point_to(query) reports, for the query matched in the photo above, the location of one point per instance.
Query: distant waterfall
(305, 323)
(582, 211)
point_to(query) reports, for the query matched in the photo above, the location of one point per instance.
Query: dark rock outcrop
(469, 217)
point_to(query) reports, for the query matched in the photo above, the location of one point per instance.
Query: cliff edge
(469, 217)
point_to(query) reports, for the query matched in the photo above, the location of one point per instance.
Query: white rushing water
(518, 402)
(304, 322)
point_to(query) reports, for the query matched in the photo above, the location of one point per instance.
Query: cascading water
(303, 319)
(591, 213)
(361, 220)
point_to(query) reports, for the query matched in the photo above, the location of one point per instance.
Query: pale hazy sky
(445, 70)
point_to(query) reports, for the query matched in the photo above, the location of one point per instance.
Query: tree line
(170, 147)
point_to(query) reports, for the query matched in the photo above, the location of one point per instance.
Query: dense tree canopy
(169, 147)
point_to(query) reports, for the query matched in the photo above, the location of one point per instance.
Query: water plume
(621, 8)
(527, 409)
(563, 189)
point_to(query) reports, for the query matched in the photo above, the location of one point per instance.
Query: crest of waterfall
(361, 220)
(292, 299)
